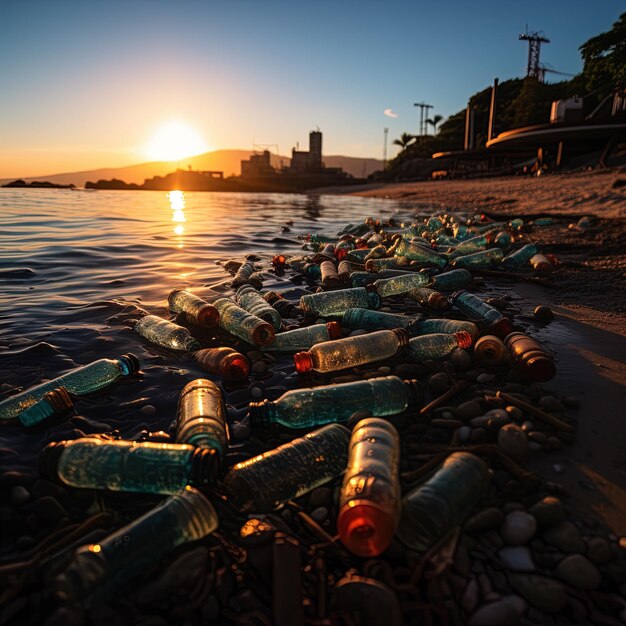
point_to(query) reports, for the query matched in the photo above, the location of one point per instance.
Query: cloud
(390, 113)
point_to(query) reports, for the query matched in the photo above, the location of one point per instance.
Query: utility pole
(534, 48)
(422, 106)
(386, 132)
(427, 107)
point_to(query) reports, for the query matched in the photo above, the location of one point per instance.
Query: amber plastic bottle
(536, 363)
(489, 350)
(224, 362)
(430, 298)
(196, 309)
(369, 500)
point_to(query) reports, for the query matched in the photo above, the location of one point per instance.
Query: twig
(458, 387)
(533, 410)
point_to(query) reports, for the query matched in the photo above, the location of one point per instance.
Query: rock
(518, 528)
(47, 508)
(542, 592)
(564, 536)
(527, 426)
(579, 572)
(148, 409)
(485, 378)
(543, 314)
(513, 442)
(553, 443)
(464, 434)
(571, 402)
(470, 596)
(384, 370)
(320, 497)
(461, 360)
(468, 410)
(485, 520)
(537, 436)
(259, 367)
(514, 413)
(438, 383)
(240, 432)
(479, 435)
(20, 495)
(256, 393)
(548, 511)
(319, 514)
(534, 447)
(551, 404)
(599, 550)
(507, 610)
(517, 559)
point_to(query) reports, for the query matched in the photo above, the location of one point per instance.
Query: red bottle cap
(464, 339)
(334, 330)
(303, 362)
(364, 529)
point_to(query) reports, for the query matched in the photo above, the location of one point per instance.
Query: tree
(405, 140)
(434, 121)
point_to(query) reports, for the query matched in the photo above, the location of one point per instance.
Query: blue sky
(87, 83)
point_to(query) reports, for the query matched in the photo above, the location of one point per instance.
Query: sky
(87, 84)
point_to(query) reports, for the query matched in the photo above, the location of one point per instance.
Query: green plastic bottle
(305, 338)
(469, 246)
(453, 280)
(140, 467)
(251, 300)
(197, 310)
(242, 324)
(79, 382)
(479, 260)
(520, 257)
(289, 471)
(55, 402)
(394, 262)
(417, 252)
(436, 346)
(473, 307)
(330, 303)
(400, 284)
(367, 319)
(99, 570)
(306, 408)
(166, 334)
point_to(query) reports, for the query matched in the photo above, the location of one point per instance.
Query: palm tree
(434, 121)
(405, 140)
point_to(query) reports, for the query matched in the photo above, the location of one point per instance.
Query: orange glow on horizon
(174, 141)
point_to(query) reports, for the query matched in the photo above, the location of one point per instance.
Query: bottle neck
(414, 393)
(262, 413)
(129, 364)
(204, 467)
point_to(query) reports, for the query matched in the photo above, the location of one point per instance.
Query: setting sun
(174, 141)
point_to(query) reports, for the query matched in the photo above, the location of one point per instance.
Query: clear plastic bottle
(472, 306)
(166, 334)
(201, 417)
(478, 260)
(335, 302)
(242, 277)
(430, 298)
(362, 279)
(520, 257)
(432, 326)
(305, 338)
(417, 252)
(369, 500)
(306, 408)
(400, 284)
(129, 466)
(453, 280)
(242, 324)
(196, 309)
(251, 300)
(358, 256)
(469, 246)
(105, 568)
(437, 345)
(541, 264)
(357, 318)
(340, 354)
(289, 471)
(224, 362)
(55, 402)
(536, 363)
(433, 508)
(393, 262)
(78, 382)
(490, 351)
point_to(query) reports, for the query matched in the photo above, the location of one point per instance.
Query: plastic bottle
(224, 362)
(312, 270)
(520, 257)
(436, 346)
(358, 256)
(377, 252)
(329, 275)
(129, 466)
(374, 320)
(242, 277)
(251, 300)
(305, 338)
(400, 284)
(536, 363)
(453, 280)
(306, 408)
(433, 508)
(201, 417)
(475, 308)
(166, 334)
(503, 239)
(334, 302)
(369, 500)
(344, 272)
(242, 324)
(289, 471)
(416, 252)
(78, 382)
(55, 402)
(431, 326)
(285, 308)
(394, 262)
(196, 309)
(490, 351)
(475, 244)
(430, 298)
(351, 351)
(478, 260)
(541, 264)
(105, 568)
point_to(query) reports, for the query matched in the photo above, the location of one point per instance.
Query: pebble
(468, 410)
(24, 542)
(479, 435)
(599, 550)
(464, 434)
(564, 536)
(579, 572)
(259, 367)
(485, 520)
(470, 596)
(513, 442)
(240, 432)
(527, 426)
(542, 592)
(518, 528)
(384, 370)
(548, 511)
(48, 508)
(517, 559)
(543, 314)
(438, 383)
(537, 436)
(514, 413)
(461, 360)
(571, 402)
(507, 610)
(256, 393)
(148, 409)
(319, 514)
(551, 404)
(553, 443)
(20, 495)
(485, 378)
(320, 497)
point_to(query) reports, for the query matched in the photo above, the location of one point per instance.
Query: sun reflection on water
(177, 204)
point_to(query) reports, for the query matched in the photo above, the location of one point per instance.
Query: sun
(174, 141)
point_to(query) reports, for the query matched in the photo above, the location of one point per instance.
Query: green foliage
(405, 140)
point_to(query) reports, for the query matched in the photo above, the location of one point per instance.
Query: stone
(470, 596)
(543, 313)
(517, 559)
(464, 434)
(320, 497)
(461, 360)
(548, 511)
(384, 370)
(438, 383)
(542, 592)
(485, 378)
(256, 393)
(479, 435)
(259, 367)
(240, 432)
(48, 508)
(468, 410)
(507, 610)
(579, 572)
(571, 402)
(564, 536)
(553, 443)
(513, 442)
(537, 436)
(148, 409)
(518, 528)
(20, 495)
(514, 413)
(599, 550)
(551, 404)
(319, 514)
(485, 520)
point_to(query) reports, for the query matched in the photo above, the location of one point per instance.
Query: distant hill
(227, 161)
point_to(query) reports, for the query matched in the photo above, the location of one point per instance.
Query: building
(258, 165)
(302, 161)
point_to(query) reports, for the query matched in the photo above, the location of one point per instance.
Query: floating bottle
(305, 338)
(242, 324)
(489, 351)
(479, 260)
(289, 471)
(536, 363)
(520, 257)
(436, 346)
(430, 298)
(129, 466)
(329, 275)
(393, 262)
(340, 354)
(55, 402)
(417, 252)
(369, 500)
(224, 362)
(306, 408)
(195, 309)
(242, 277)
(432, 326)
(201, 417)
(357, 318)
(433, 508)
(334, 302)
(166, 334)
(453, 280)
(400, 284)
(105, 568)
(78, 382)
(251, 300)
(541, 264)
(475, 308)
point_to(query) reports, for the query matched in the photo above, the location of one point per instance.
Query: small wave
(17, 273)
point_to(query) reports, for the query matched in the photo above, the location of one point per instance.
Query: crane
(547, 68)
